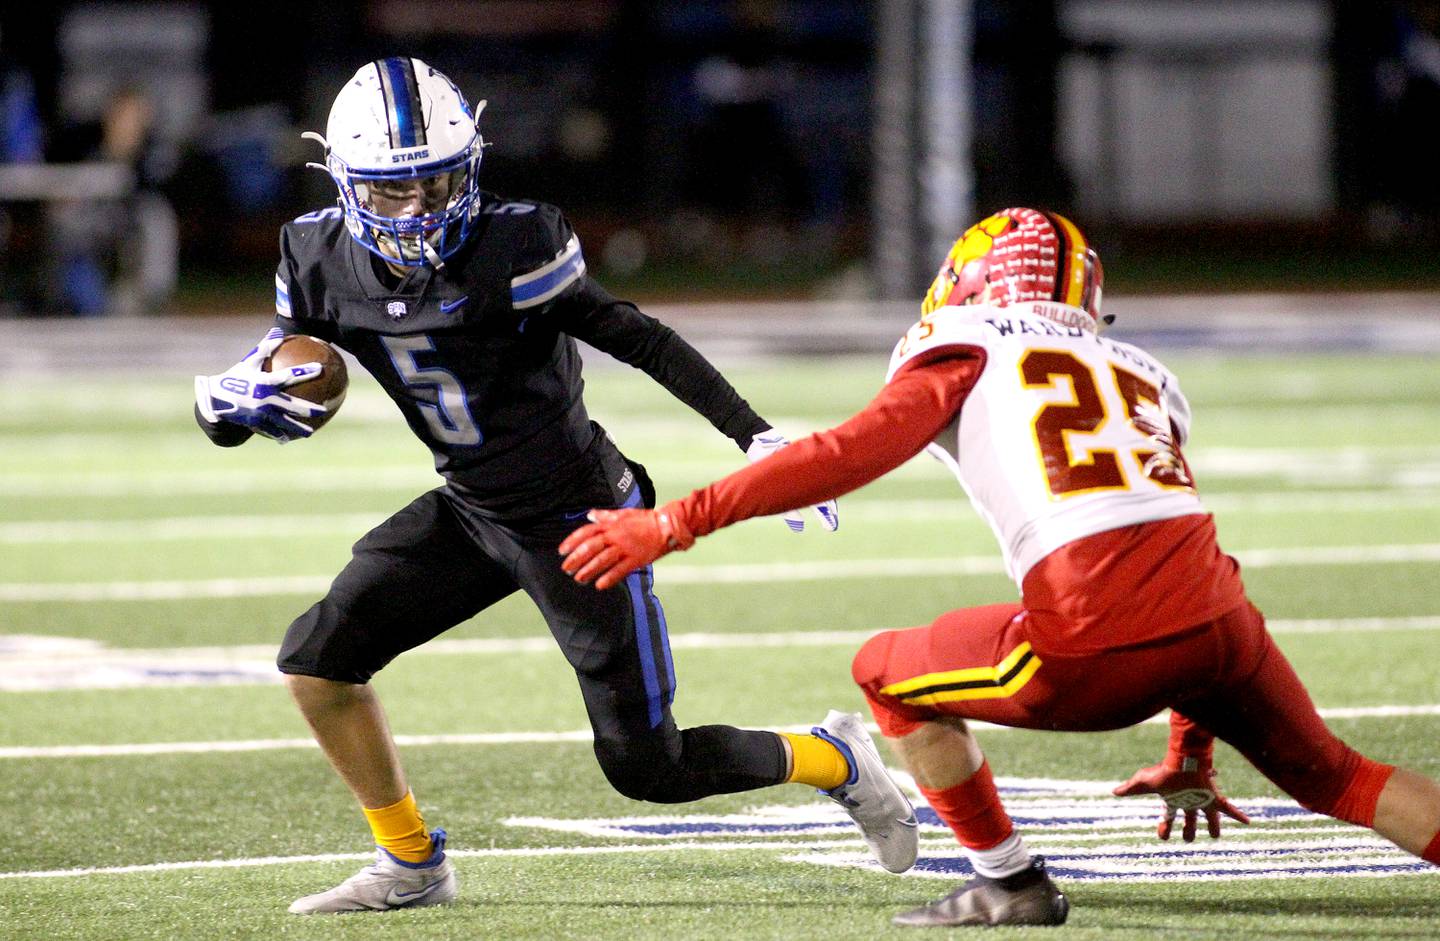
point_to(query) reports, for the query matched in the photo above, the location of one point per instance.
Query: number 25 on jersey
(1149, 456)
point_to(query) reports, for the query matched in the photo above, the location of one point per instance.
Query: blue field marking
(1084, 836)
(1153, 865)
(1109, 815)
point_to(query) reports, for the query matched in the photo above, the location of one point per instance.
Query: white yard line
(237, 482)
(163, 529)
(1259, 838)
(170, 590)
(1330, 502)
(342, 857)
(79, 651)
(1361, 465)
(745, 573)
(292, 744)
(1340, 625)
(33, 663)
(262, 526)
(524, 738)
(74, 650)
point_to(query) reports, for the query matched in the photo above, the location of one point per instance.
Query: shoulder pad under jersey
(944, 326)
(545, 255)
(307, 244)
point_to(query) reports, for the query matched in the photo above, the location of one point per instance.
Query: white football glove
(767, 443)
(247, 395)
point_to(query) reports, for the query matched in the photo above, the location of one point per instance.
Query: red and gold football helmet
(1020, 255)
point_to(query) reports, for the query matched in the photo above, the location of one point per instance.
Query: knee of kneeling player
(868, 669)
(868, 666)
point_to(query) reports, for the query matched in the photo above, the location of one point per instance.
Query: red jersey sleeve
(1187, 740)
(915, 406)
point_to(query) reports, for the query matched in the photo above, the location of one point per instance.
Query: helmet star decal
(1018, 256)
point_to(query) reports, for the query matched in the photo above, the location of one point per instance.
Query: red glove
(1184, 782)
(617, 542)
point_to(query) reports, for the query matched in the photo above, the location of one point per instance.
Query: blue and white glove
(247, 395)
(767, 443)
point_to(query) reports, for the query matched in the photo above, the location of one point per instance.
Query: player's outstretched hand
(617, 542)
(246, 394)
(1190, 787)
(767, 443)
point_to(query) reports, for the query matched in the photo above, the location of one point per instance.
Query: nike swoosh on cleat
(447, 306)
(405, 898)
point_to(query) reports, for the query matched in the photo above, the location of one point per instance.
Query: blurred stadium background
(756, 149)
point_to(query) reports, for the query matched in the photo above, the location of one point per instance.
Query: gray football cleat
(388, 883)
(1026, 898)
(870, 797)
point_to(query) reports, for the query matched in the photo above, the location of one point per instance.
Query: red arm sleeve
(914, 407)
(1187, 740)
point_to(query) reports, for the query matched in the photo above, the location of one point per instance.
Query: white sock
(1005, 858)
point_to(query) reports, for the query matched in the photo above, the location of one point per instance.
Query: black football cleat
(1026, 898)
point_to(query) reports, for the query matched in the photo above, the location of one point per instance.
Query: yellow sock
(400, 830)
(816, 762)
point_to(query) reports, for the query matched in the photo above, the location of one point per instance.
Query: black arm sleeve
(617, 327)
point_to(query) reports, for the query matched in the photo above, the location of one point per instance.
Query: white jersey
(1065, 433)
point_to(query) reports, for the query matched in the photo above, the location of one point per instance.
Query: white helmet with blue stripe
(404, 149)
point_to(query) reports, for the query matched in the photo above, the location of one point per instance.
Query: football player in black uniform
(466, 307)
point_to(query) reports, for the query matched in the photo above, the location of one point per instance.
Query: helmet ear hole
(971, 281)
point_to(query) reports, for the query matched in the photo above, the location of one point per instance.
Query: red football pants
(1227, 675)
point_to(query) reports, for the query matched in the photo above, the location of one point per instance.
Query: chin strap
(432, 256)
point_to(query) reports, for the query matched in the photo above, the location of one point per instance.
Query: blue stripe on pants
(638, 584)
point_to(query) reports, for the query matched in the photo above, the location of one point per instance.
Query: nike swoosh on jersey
(447, 306)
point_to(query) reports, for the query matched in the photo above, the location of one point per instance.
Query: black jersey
(480, 355)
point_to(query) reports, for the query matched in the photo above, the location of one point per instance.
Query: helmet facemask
(408, 219)
(404, 151)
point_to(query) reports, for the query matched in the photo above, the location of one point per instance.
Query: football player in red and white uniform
(1069, 445)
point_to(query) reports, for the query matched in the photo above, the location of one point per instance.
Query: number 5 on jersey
(449, 417)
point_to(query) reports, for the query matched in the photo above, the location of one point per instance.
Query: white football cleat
(388, 883)
(870, 797)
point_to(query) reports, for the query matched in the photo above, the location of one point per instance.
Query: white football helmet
(402, 139)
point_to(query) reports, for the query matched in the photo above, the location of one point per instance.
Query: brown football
(328, 388)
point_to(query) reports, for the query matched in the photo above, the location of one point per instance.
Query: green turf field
(146, 577)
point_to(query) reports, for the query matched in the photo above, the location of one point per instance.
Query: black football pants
(438, 562)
